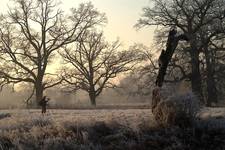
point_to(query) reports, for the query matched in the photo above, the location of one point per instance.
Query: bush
(177, 110)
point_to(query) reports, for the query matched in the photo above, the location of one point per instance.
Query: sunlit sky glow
(122, 16)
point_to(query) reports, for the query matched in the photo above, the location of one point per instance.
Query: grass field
(129, 117)
(99, 129)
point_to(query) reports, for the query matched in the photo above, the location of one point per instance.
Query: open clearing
(103, 129)
(129, 117)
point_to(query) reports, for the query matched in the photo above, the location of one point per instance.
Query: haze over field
(42, 47)
(112, 75)
(122, 16)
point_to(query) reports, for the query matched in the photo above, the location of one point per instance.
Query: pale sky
(122, 16)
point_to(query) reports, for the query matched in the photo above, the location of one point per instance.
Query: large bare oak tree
(93, 63)
(30, 35)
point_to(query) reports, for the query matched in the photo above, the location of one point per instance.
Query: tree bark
(39, 94)
(210, 80)
(196, 80)
(170, 48)
(92, 98)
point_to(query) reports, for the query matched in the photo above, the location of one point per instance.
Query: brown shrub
(175, 110)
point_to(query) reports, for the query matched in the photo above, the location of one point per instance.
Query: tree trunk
(210, 80)
(39, 94)
(196, 81)
(167, 56)
(92, 98)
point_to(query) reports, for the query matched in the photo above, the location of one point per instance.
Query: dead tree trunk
(164, 60)
(167, 56)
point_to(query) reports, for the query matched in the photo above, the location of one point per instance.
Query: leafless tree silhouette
(30, 35)
(94, 63)
(190, 17)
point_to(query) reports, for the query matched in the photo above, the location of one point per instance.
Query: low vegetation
(178, 109)
(107, 130)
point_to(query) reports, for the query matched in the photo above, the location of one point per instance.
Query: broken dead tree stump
(166, 56)
(165, 111)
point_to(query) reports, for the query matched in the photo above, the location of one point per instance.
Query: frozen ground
(213, 112)
(103, 129)
(128, 117)
(64, 129)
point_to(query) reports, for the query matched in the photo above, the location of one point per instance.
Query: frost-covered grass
(125, 116)
(62, 129)
(106, 129)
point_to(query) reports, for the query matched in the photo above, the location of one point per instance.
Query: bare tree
(31, 33)
(94, 62)
(189, 16)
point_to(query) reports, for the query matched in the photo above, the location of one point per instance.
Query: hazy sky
(121, 14)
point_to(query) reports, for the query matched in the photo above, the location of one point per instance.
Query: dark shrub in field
(175, 110)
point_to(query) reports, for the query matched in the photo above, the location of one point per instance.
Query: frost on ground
(106, 129)
(131, 117)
